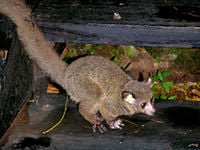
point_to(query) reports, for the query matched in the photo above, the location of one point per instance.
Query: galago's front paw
(100, 127)
(99, 124)
(115, 124)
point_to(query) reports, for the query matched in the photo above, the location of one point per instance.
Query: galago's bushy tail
(38, 48)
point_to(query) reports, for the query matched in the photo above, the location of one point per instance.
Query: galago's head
(137, 98)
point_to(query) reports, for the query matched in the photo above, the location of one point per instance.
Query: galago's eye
(143, 105)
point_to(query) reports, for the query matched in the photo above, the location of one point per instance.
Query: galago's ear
(128, 97)
(149, 81)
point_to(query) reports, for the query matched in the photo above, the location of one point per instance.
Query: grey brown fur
(97, 84)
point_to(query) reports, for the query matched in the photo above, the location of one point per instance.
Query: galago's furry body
(97, 84)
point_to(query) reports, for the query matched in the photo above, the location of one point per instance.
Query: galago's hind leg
(89, 110)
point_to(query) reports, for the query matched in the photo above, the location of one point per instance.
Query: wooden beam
(143, 23)
(122, 34)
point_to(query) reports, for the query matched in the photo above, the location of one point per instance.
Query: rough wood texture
(17, 82)
(143, 23)
(175, 126)
(6, 28)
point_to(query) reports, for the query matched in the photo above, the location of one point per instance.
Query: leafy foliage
(162, 85)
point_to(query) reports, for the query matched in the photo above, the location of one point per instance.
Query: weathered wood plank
(16, 85)
(177, 128)
(122, 34)
(143, 22)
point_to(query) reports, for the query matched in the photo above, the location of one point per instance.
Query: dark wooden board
(178, 129)
(16, 83)
(143, 23)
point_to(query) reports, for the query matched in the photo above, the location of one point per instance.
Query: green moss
(130, 51)
(189, 60)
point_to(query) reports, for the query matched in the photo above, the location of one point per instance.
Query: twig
(157, 121)
(61, 119)
(132, 123)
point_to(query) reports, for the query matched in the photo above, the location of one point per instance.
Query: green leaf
(155, 96)
(89, 52)
(162, 96)
(172, 98)
(160, 77)
(155, 85)
(154, 77)
(166, 73)
(167, 85)
(186, 98)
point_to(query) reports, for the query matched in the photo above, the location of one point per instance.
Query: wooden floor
(180, 130)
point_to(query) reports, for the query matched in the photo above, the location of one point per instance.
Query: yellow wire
(61, 119)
